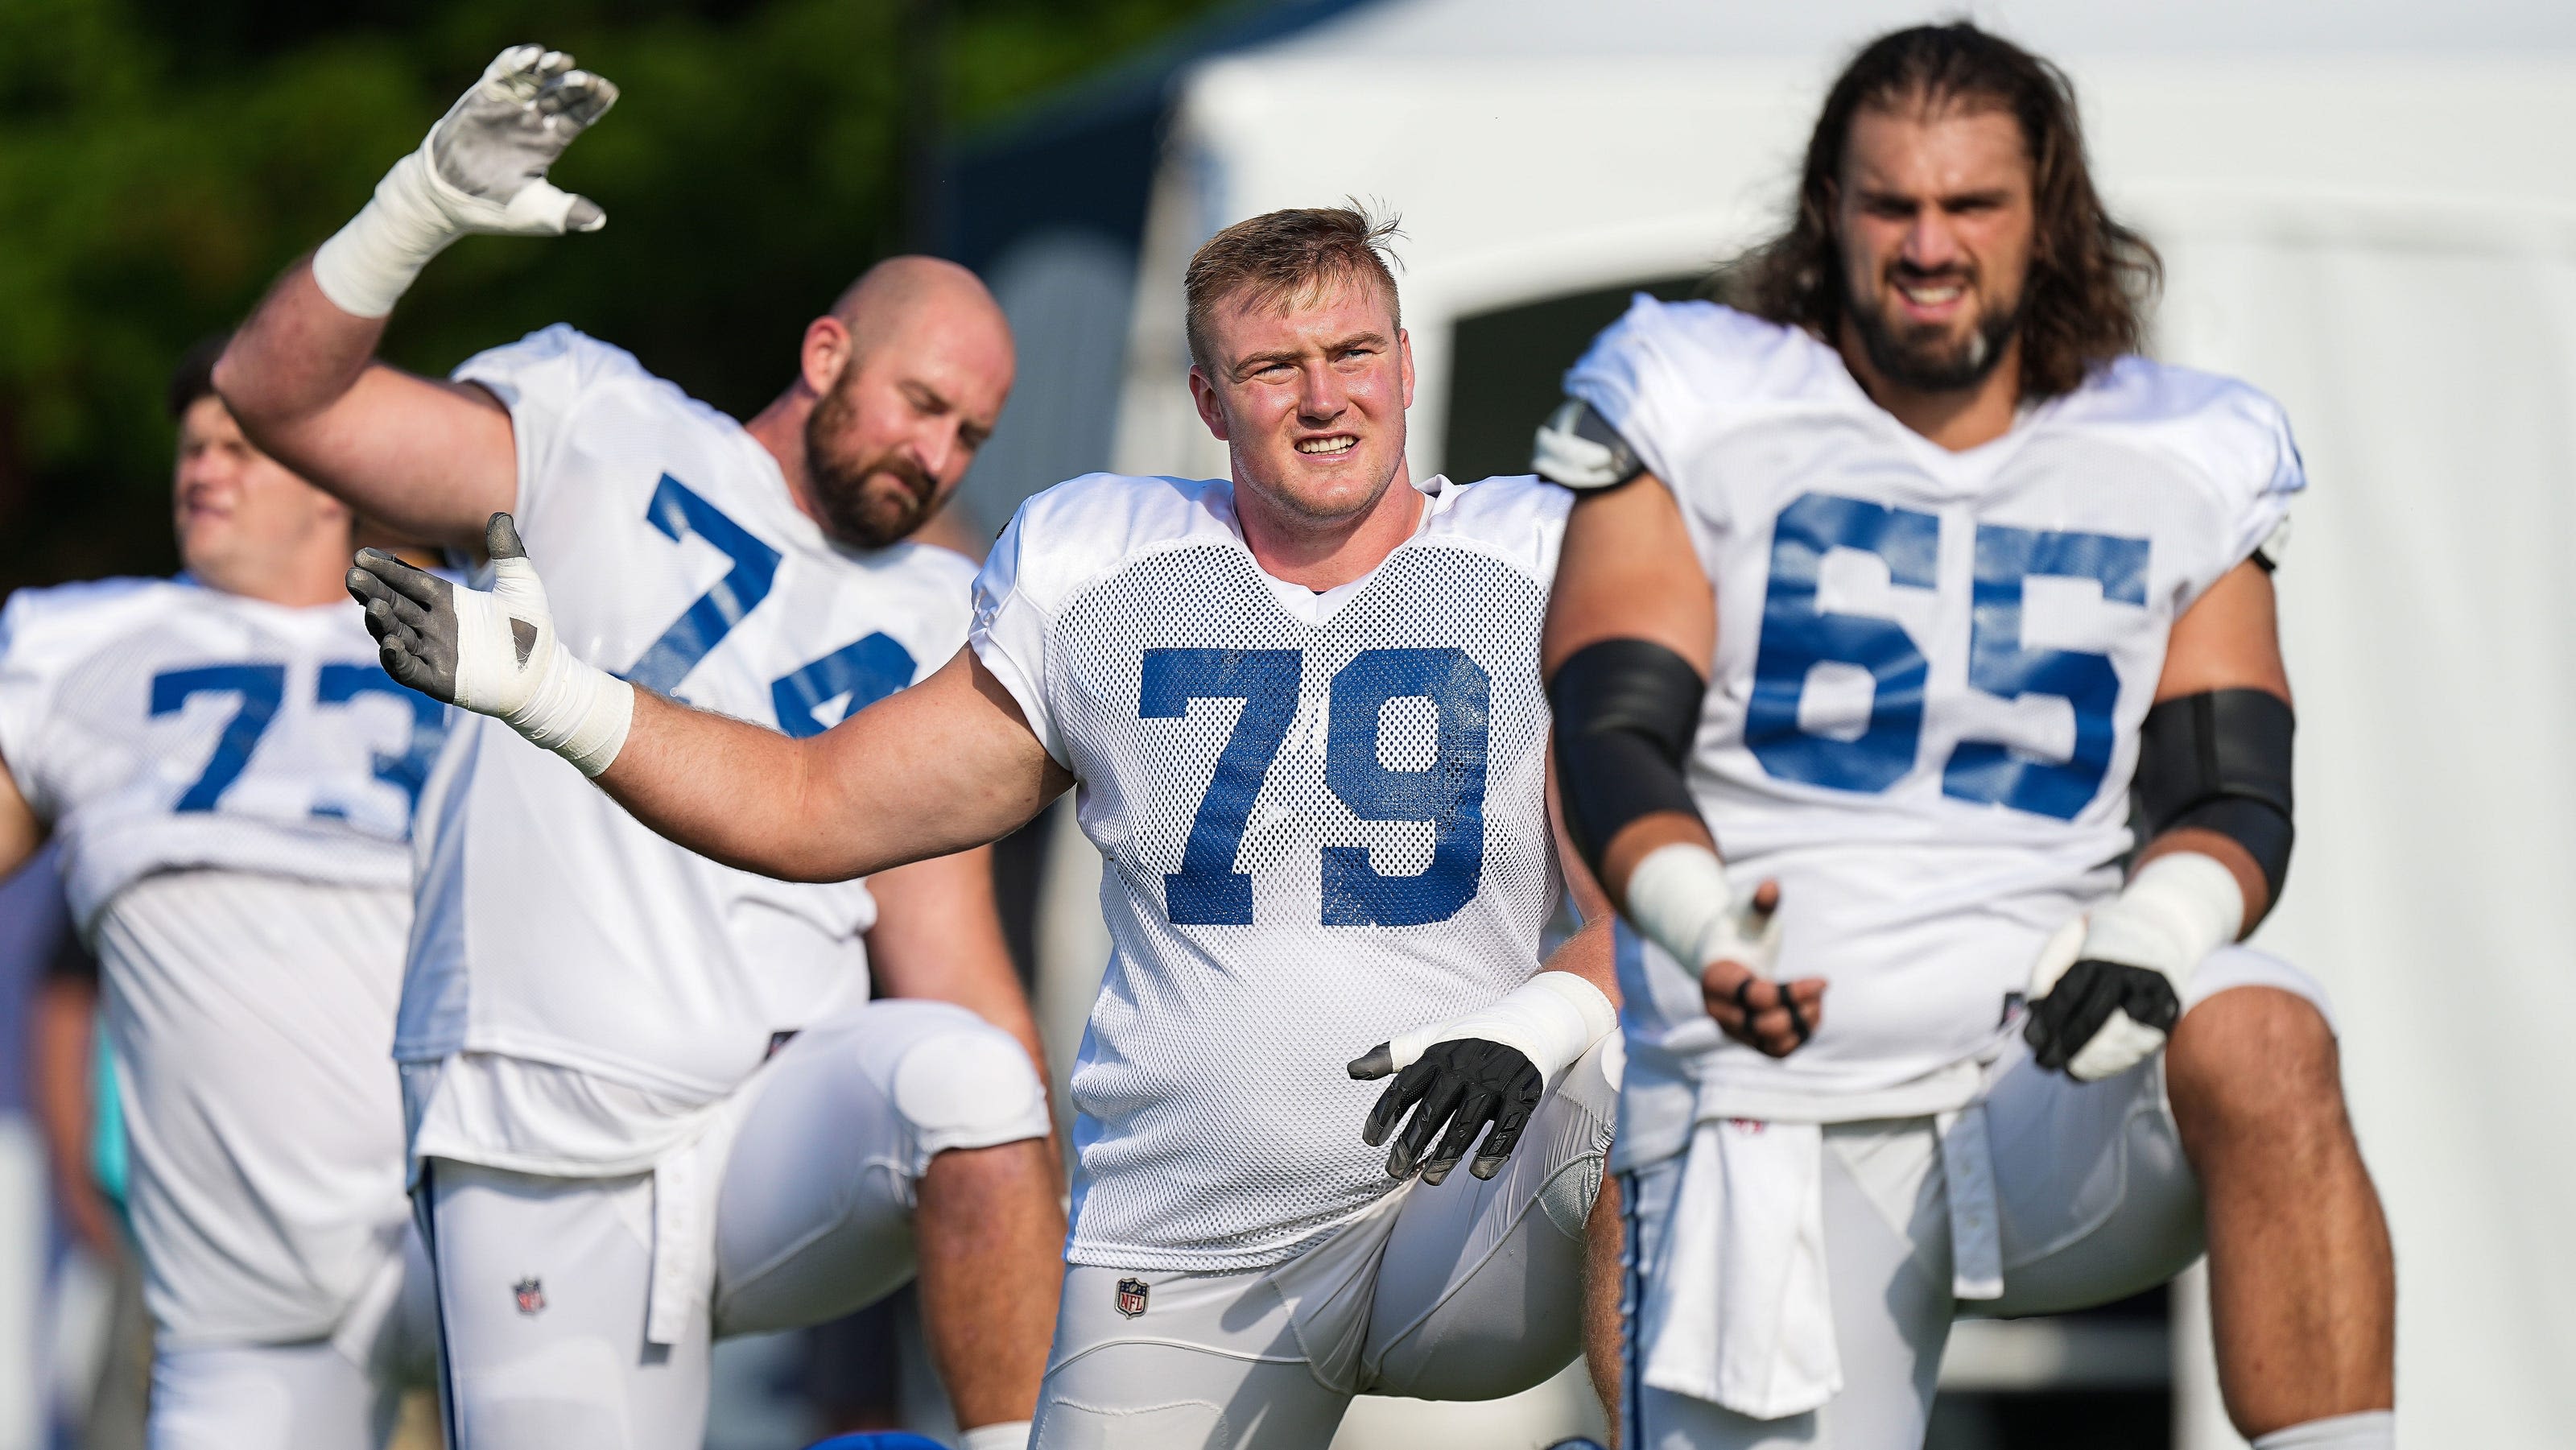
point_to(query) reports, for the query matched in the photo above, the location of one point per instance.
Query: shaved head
(898, 290)
(927, 365)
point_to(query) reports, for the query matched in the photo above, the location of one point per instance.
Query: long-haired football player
(650, 1101)
(1302, 707)
(1887, 587)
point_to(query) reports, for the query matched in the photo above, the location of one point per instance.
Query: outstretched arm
(948, 764)
(429, 457)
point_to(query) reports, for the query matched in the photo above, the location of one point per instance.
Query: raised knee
(973, 1087)
(2254, 1057)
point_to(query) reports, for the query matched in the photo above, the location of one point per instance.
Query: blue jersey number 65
(1798, 633)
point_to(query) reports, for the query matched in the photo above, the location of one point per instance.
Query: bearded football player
(1889, 588)
(649, 1097)
(1302, 707)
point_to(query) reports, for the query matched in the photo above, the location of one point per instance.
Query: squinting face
(237, 508)
(1934, 215)
(1310, 399)
(887, 445)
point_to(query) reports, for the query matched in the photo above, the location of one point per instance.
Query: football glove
(2108, 990)
(495, 652)
(1486, 1067)
(482, 168)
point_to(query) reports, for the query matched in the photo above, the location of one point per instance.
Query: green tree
(161, 161)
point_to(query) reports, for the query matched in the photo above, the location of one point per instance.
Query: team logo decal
(1131, 1297)
(530, 1294)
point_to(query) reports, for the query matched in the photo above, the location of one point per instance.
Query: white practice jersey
(609, 972)
(232, 784)
(1323, 823)
(1930, 672)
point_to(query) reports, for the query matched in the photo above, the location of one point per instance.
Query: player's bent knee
(2252, 1056)
(970, 1088)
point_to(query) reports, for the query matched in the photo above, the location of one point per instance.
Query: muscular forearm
(745, 796)
(1588, 954)
(294, 357)
(926, 772)
(428, 458)
(938, 935)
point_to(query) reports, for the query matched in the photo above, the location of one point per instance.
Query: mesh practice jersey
(553, 928)
(1322, 820)
(232, 785)
(1930, 672)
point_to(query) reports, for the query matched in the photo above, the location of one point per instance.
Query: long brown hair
(2091, 279)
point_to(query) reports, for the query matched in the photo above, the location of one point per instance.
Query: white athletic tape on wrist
(1679, 899)
(576, 711)
(367, 265)
(1551, 1019)
(2176, 911)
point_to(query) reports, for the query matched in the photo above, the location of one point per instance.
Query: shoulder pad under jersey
(1578, 448)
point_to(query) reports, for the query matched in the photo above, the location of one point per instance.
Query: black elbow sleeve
(2220, 761)
(1625, 714)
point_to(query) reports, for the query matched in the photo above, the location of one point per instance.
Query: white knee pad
(970, 1088)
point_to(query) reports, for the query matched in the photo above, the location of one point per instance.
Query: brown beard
(867, 503)
(1929, 364)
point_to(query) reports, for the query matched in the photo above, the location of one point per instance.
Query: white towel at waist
(1741, 1312)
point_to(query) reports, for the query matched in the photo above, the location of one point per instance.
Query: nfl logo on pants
(1131, 1297)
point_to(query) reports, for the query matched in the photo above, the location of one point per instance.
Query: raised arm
(948, 764)
(431, 458)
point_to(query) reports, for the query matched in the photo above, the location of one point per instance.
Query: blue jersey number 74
(862, 672)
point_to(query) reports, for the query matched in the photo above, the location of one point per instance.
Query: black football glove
(2130, 1009)
(1462, 1083)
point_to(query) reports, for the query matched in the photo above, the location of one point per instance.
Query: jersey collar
(1438, 494)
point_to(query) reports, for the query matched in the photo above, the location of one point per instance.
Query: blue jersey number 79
(1448, 793)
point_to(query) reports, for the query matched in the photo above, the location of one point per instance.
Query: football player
(1302, 706)
(607, 1172)
(1882, 595)
(231, 777)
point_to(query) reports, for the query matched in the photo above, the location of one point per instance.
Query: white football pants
(1468, 1291)
(546, 1285)
(339, 1393)
(2096, 1203)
